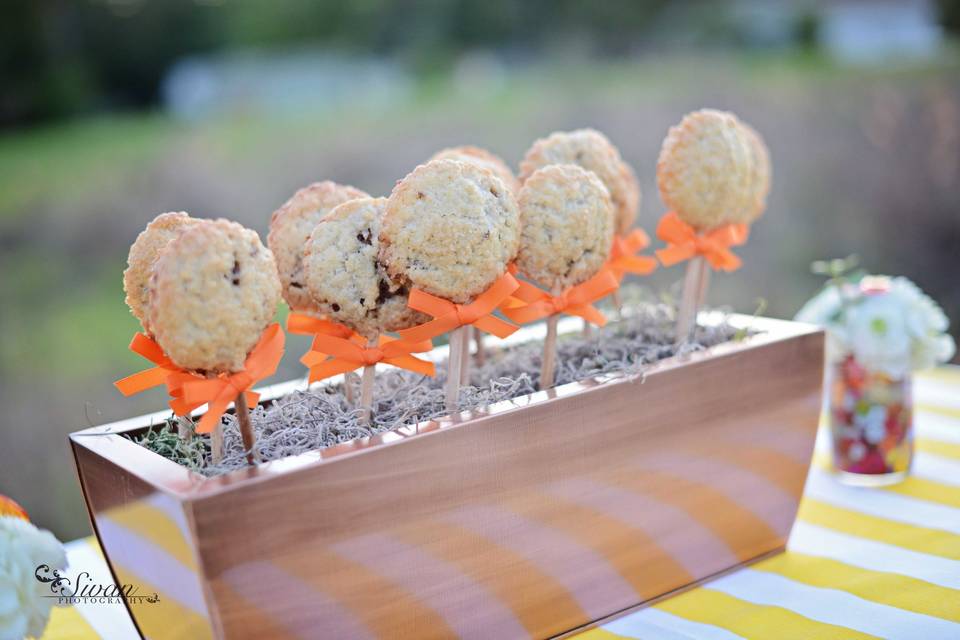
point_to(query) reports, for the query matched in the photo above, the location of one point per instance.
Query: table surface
(860, 563)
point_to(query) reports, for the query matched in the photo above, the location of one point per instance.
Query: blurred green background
(114, 111)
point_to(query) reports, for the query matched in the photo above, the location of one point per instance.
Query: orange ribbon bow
(448, 316)
(303, 324)
(189, 390)
(530, 303)
(623, 259)
(334, 355)
(144, 346)
(683, 242)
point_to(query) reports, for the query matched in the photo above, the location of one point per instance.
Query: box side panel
(528, 523)
(148, 544)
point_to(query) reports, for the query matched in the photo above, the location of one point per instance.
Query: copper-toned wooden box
(532, 518)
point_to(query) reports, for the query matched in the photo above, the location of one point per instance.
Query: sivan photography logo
(83, 589)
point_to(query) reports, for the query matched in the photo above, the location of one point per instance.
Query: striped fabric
(861, 563)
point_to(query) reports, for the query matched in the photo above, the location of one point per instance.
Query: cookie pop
(213, 292)
(291, 226)
(711, 177)
(567, 222)
(449, 231)
(483, 159)
(143, 254)
(348, 284)
(593, 151)
(494, 164)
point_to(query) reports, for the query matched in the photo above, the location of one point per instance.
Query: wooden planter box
(533, 518)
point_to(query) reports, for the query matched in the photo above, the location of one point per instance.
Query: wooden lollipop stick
(453, 369)
(246, 429)
(348, 379)
(366, 388)
(216, 444)
(481, 353)
(587, 329)
(184, 428)
(689, 301)
(465, 355)
(549, 362)
(704, 284)
(549, 354)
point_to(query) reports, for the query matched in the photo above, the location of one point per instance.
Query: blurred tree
(59, 57)
(807, 29)
(949, 12)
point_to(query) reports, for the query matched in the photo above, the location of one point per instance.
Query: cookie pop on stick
(290, 228)
(143, 254)
(593, 151)
(494, 164)
(450, 230)
(567, 223)
(347, 282)
(213, 292)
(708, 176)
(759, 190)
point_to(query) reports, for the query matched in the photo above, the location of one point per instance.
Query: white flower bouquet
(887, 323)
(880, 329)
(24, 609)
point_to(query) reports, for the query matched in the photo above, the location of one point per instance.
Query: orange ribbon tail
(530, 303)
(144, 346)
(623, 258)
(684, 242)
(335, 355)
(303, 324)
(448, 316)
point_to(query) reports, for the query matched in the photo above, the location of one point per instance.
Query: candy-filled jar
(879, 331)
(870, 416)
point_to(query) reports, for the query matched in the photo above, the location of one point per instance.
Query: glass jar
(870, 415)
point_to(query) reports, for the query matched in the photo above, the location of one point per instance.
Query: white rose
(23, 609)
(879, 334)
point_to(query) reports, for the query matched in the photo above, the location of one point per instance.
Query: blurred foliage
(61, 58)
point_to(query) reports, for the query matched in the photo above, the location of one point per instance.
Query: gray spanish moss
(321, 417)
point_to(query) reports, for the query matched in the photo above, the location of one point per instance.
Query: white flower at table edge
(895, 331)
(24, 610)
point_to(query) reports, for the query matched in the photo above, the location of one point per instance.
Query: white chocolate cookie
(483, 159)
(213, 291)
(449, 229)
(143, 254)
(591, 150)
(291, 225)
(343, 273)
(705, 169)
(567, 219)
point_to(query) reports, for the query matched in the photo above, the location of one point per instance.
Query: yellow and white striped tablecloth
(860, 563)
